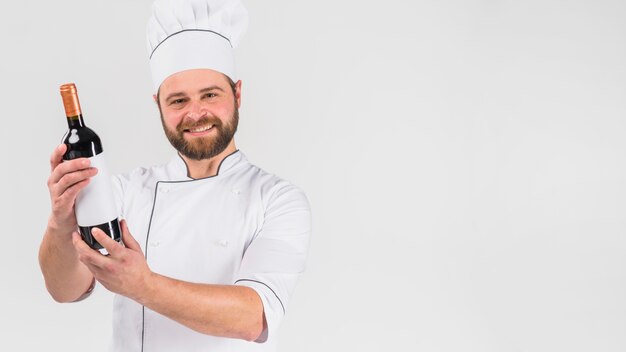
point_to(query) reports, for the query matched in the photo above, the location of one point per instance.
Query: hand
(65, 181)
(124, 270)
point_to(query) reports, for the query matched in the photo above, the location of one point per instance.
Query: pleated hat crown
(191, 34)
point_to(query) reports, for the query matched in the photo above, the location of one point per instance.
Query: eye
(177, 101)
(210, 95)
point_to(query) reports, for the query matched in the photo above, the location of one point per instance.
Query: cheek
(171, 119)
(223, 112)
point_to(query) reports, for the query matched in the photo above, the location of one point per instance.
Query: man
(213, 245)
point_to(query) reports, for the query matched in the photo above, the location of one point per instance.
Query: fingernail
(60, 147)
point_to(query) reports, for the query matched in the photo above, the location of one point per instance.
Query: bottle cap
(70, 100)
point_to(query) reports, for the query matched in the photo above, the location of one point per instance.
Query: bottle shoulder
(81, 142)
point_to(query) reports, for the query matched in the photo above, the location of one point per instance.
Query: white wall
(464, 161)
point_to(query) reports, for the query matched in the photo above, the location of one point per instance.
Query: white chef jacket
(243, 226)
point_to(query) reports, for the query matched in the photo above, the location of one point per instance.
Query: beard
(205, 147)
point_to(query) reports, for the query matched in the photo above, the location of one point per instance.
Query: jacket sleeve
(276, 257)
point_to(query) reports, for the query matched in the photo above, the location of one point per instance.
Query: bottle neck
(75, 121)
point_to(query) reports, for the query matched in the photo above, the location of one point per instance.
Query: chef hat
(191, 34)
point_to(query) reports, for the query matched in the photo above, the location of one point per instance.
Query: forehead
(192, 81)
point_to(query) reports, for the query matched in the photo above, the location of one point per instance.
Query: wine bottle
(95, 205)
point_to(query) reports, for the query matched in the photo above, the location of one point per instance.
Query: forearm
(67, 279)
(218, 310)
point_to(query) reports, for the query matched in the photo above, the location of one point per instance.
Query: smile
(199, 129)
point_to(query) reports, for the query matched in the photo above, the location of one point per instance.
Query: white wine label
(95, 204)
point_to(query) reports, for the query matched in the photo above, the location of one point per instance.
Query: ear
(238, 93)
(156, 99)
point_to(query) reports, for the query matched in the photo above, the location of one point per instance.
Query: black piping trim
(264, 284)
(203, 178)
(189, 30)
(143, 321)
(143, 308)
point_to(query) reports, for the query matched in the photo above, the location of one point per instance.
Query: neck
(207, 167)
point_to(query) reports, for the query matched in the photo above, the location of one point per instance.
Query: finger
(113, 247)
(57, 156)
(86, 254)
(70, 179)
(69, 195)
(128, 239)
(67, 167)
(65, 202)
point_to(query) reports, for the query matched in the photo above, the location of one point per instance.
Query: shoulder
(275, 190)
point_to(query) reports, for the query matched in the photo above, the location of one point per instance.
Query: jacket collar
(179, 171)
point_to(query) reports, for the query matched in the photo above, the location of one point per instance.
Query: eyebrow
(174, 95)
(208, 89)
(203, 90)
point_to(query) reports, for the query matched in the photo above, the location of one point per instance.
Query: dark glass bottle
(95, 204)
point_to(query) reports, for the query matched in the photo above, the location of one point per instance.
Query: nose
(195, 110)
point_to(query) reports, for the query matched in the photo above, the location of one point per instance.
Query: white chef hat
(191, 34)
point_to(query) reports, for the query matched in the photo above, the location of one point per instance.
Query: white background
(464, 161)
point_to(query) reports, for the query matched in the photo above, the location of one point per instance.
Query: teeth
(200, 129)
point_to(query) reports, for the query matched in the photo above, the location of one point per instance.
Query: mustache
(189, 124)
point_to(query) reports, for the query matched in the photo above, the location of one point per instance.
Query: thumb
(128, 239)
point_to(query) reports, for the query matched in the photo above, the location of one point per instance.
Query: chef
(212, 244)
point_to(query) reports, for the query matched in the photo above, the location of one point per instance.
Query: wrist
(55, 227)
(147, 293)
